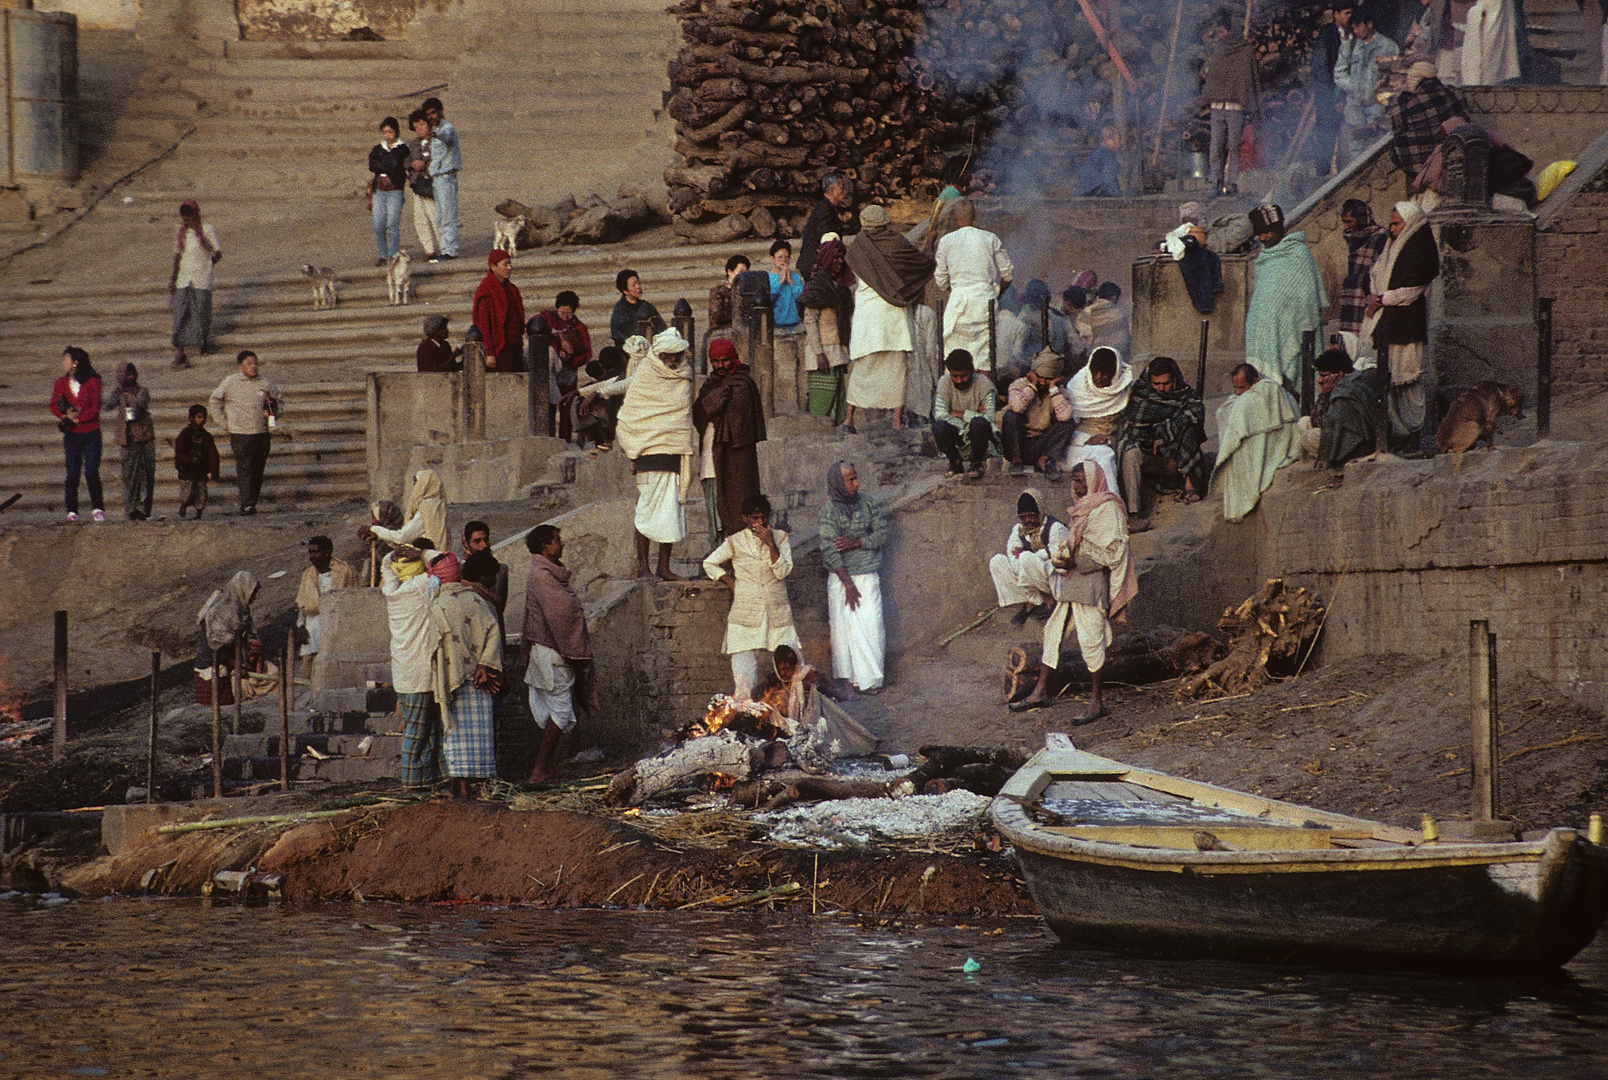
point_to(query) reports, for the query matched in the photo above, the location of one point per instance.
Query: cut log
(724, 752)
(763, 223)
(731, 119)
(727, 229)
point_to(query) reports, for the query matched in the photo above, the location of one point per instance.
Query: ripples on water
(178, 989)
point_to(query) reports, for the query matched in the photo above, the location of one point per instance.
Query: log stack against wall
(903, 96)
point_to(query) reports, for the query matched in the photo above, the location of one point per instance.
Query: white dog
(506, 233)
(323, 282)
(398, 278)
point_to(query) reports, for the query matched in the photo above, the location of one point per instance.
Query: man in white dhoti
(1093, 585)
(892, 274)
(761, 617)
(853, 530)
(655, 431)
(1022, 574)
(1099, 393)
(973, 266)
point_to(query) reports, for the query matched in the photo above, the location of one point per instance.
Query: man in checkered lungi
(466, 667)
(407, 588)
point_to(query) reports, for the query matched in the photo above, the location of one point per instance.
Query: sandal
(1026, 705)
(1190, 498)
(975, 474)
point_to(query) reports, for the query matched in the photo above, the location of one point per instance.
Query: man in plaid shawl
(1288, 298)
(1365, 239)
(465, 667)
(1162, 436)
(1416, 117)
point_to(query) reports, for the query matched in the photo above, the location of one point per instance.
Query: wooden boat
(1120, 857)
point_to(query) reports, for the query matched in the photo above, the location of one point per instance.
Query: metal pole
(150, 759)
(762, 351)
(993, 360)
(59, 745)
(1309, 340)
(287, 686)
(1200, 364)
(238, 681)
(1482, 714)
(217, 731)
(474, 395)
(1543, 369)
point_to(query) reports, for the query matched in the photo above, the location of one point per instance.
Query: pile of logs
(904, 96)
(1278, 627)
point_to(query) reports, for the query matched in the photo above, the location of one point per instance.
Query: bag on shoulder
(422, 185)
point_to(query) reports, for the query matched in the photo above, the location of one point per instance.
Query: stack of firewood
(904, 96)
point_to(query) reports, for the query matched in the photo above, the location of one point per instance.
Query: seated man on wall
(1256, 437)
(1345, 417)
(1099, 395)
(1164, 428)
(1037, 424)
(1022, 574)
(963, 411)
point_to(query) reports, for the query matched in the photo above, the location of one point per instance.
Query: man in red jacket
(500, 315)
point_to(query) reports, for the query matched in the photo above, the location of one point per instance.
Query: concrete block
(341, 700)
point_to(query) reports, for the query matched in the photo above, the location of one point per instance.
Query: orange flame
(719, 781)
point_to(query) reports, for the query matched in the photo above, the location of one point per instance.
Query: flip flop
(1082, 720)
(975, 474)
(1190, 498)
(1026, 706)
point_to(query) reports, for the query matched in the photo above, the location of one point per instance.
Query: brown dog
(1474, 414)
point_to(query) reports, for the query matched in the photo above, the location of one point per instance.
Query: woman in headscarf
(828, 305)
(1398, 313)
(1365, 239)
(196, 251)
(1022, 575)
(131, 426)
(1093, 586)
(424, 517)
(75, 402)
(853, 531)
(225, 621)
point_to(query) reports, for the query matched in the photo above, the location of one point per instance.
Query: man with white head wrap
(973, 266)
(1099, 394)
(655, 430)
(1398, 314)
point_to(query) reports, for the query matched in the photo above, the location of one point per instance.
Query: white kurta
(971, 265)
(757, 618)
(326, 581)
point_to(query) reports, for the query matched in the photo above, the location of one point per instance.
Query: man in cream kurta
(761, 617)
(973, 266)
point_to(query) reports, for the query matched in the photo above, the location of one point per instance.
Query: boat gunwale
(1047, 766)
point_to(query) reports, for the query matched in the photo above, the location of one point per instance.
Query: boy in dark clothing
(195, 457)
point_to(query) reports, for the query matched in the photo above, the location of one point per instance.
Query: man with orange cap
(499, 313)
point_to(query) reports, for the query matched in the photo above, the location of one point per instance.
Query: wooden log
(725, 753)
(727, 229)
(743, 204)
(713, 130)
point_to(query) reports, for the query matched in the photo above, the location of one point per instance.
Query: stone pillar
(474, 392)
(41, 66)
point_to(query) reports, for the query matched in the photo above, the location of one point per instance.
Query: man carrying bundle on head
(1164, 428)
(655, 430)
(973, 266)
(1093, 586)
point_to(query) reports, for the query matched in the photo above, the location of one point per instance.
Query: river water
(179, 988)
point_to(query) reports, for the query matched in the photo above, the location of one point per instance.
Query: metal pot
(1199, 167)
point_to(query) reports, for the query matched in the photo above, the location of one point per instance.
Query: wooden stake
(150, 759)
(217, 731)
(1166, 81)
(287, 684)
(238, 681)
(1482, 709)
(58, 748)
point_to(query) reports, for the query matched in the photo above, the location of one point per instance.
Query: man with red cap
(499, 314)
(731, 425)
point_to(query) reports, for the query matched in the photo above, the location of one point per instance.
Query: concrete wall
(1408, 553)
(97, 14)
(1166, 323)
(1571, 271)
(1482, 308)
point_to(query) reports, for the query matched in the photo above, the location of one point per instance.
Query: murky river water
(178, 989)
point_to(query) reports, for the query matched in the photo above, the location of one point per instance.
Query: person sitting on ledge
(963, 416)
(1022, 574)
(1345, 416)
(1256, 437)
(1037, 424)
(1164, 428)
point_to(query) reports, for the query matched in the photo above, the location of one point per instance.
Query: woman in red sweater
(75, 401)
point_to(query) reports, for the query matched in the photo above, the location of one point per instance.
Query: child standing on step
(195, 456)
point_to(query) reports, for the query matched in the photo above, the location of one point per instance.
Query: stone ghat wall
(1410, 552)
(1571, 270)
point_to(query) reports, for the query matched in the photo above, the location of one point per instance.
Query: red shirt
(87, 401)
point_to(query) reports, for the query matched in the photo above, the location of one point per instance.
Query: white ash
(849, 822)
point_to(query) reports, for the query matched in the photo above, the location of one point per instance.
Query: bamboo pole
(1482, 709)
(237, 679)
(217, 731)
(287, 684)
(58, 749)
(150, 757)
(1166, 81)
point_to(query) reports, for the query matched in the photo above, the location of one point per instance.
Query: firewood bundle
(1276, 626)
(904, 96)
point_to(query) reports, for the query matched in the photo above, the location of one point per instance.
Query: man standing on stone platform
(823, 219)
(893, 275)
(446, 160)
(499, 314)
(324, 573)
(655, 430)
(731, 425)
(761, 617)
(973, 266)
(853, 531)
(248, 404)
(1287, 301)
(408, 593)
(1398, 315)
(190, 285)
(555, 650)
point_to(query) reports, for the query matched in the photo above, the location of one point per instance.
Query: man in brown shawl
(555, 649)
(893, 275)
(731, 425)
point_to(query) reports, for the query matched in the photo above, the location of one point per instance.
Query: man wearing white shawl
(1099, 393)
(409, 591)
(1398, 313)
(655, 430)
(1490, 44)
(1256, 437)
(973, 266)
(892, 275)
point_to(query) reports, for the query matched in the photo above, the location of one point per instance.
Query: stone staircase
(1565, 40)
(317, 358)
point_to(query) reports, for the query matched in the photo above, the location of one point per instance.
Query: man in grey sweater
(248, 404)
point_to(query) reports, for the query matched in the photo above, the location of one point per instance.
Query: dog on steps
(1474, 413)
(398, 278)
(506, 232)
(323, 282)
